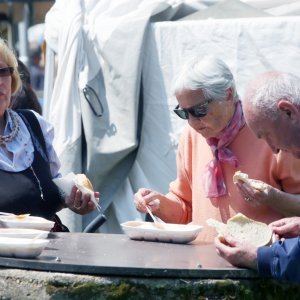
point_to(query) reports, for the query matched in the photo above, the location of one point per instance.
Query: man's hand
(239, 254)
(287, 227)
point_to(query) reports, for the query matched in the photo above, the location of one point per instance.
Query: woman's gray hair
(265, 91)
(208, 74)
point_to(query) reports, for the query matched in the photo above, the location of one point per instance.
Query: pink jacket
(255, 158)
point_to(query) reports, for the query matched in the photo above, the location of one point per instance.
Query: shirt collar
(8, 125)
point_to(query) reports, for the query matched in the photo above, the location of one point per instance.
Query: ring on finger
(77, 207)
(247, 199)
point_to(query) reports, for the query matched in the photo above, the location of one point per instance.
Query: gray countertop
(116, 254)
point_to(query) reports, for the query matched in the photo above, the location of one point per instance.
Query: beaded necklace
(15, 129)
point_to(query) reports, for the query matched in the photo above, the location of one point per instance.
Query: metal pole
(49, 80)
(10, 38)
(23, 36)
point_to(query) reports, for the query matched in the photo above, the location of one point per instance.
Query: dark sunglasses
(197, 111)
(8, 71)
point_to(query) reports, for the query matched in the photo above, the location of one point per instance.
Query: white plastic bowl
(172, 233)
(21, 247)
(15, 221)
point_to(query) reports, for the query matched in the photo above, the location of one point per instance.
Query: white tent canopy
(117, 59)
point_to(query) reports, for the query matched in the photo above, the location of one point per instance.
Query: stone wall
(24, 284)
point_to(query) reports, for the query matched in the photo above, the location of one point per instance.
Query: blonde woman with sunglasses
(28, 161)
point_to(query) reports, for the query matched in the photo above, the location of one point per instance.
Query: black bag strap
(35, 131)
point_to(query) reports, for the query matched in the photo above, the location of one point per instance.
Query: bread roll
(244, 229)
(256, 184)
(84, 181)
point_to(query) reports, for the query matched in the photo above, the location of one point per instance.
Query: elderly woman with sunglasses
(215, 144)
(28, 162)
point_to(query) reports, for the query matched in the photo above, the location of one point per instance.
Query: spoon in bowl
(157, 223)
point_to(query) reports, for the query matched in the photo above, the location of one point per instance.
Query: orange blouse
(255, 158)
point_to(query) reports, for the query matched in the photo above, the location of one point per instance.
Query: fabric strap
(38, 140)
(213, 179)
(35, 130)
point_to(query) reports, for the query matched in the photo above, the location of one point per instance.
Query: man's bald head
(263, 93)
(271, 107)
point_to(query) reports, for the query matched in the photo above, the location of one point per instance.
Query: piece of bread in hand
(84, 181)
(86, 187)
(256, 184)
(242, 229)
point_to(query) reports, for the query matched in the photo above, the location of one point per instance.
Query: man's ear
(289, 109)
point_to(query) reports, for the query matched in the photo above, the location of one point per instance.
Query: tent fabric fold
(121, 134)
(99, 46)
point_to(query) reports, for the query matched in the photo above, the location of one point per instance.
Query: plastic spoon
(157, 223)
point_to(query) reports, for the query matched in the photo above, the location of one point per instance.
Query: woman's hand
(145, 197)
(257, 197)
(287, 227)
(80, 205)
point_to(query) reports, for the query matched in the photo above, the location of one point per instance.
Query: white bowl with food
(25, 221)
(171, 233)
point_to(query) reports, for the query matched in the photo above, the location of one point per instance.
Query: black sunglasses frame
(7, 71)
(197, 111)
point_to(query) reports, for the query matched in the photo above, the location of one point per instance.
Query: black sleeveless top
(31, 191)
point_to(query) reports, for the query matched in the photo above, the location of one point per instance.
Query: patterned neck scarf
(15, 128)
(213, 179)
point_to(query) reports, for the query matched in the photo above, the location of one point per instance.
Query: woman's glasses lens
(8, 71)
(197, 111)
(181, 113)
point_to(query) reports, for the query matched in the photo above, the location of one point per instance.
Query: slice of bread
(256, 184)
(84, 181)
(244, 229)
(220, 227)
